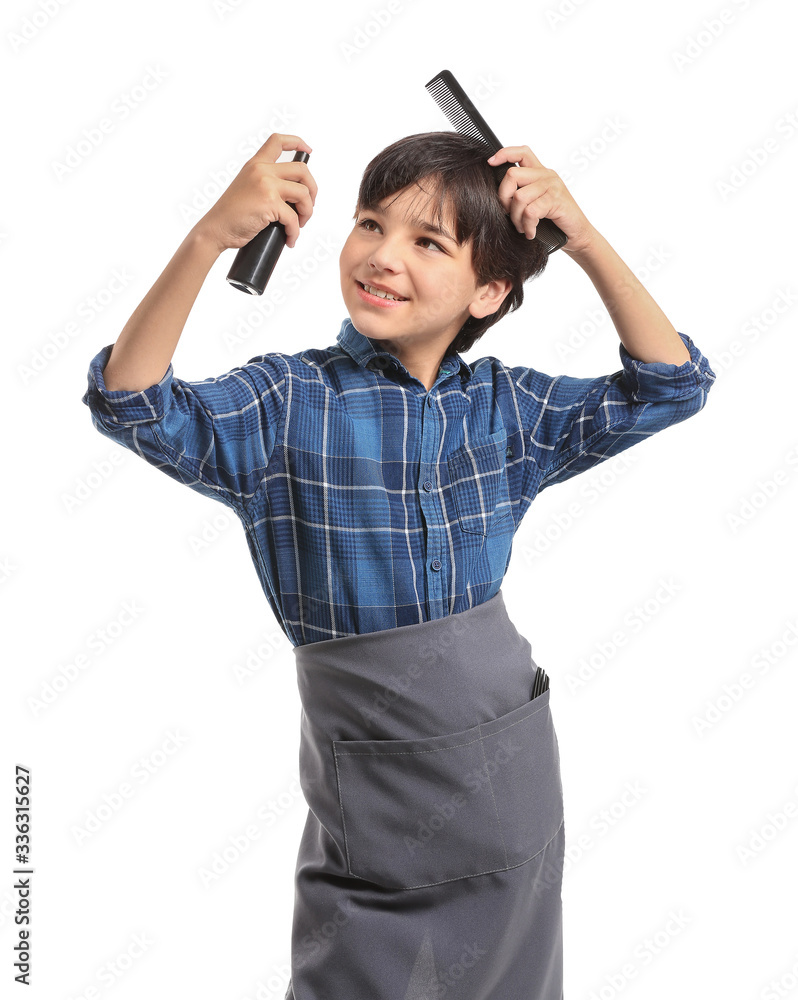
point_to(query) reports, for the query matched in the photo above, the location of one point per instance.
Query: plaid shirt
(369, 502)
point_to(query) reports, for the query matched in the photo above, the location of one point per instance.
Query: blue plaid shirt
(369, 502)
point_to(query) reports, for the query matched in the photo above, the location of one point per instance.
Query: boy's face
(393, 248)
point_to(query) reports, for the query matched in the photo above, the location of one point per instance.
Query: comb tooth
(464, 116)
(442, 94)
(452, 107)
(458, 108)
(457, 116)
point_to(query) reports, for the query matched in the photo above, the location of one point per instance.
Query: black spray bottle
(255, 261)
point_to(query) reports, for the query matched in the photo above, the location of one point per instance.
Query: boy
(380, 482)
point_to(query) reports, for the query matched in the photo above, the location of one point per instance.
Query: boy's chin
(389, 327)
(379, 327)
(367, 329)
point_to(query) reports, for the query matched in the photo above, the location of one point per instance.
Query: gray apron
(431, 860)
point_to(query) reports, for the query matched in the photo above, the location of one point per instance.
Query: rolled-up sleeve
(576, 423)
(215, 435)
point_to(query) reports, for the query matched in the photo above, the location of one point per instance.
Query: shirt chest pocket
(478, 479)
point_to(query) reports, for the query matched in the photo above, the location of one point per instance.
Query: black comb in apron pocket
(425, 811)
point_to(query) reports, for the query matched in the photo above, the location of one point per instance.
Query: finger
(299, 210)
(533, 181)
(521, 214)
(299, 172)
(290, 220)
(526, 202)
(534, 212)
(507, 189)
(522, 155)
(270, 151)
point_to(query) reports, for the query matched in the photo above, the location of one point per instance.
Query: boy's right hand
(259, 194)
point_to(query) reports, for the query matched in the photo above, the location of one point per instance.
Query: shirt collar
(367, 352)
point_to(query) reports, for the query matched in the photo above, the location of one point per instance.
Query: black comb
(540, 684)
(451, 98)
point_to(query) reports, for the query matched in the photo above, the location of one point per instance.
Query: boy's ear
(489, 297)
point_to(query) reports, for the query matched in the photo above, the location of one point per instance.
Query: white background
(671, 125)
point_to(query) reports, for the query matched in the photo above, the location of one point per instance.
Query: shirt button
(436, 564)
(428, 486)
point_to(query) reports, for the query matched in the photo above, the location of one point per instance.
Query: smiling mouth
(379, 293)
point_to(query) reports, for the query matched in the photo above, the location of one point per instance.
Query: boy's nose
(385, 257)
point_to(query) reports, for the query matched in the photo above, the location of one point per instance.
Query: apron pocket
(425, 811)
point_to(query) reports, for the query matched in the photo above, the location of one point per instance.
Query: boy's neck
(422, 361)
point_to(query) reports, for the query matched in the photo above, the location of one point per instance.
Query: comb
(465, 118)
(540, 684)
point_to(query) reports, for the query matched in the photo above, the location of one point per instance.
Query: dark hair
(463, 180)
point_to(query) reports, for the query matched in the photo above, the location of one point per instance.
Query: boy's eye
(426, 239)
(365, 223)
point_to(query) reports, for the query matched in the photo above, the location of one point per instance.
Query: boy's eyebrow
(421, 223)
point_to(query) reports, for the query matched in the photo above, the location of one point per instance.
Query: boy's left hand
(531, 192)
